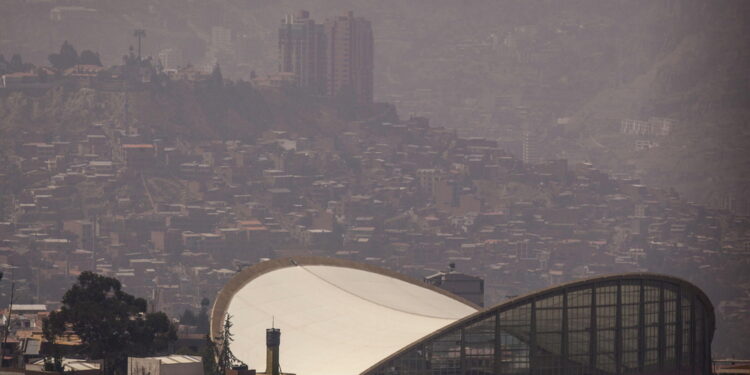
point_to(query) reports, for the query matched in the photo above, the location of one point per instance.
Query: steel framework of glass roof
(621, 324)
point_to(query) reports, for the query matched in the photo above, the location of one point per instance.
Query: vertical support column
(692, 334)
(641, 327)
(430, 355)
(618, 329)
(532, 337)
(707, 362)
(564, 334)
(678, 330)
(498, 347)
(593, 345)
(462, 362)
(662, 340)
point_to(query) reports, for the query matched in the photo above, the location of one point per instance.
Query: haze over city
(442, 187)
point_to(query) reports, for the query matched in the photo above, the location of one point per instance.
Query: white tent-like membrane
(334, 320)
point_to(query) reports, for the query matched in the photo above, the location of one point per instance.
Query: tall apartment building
(332, 58)
(350, 57)
(530, 148)
(302, 49)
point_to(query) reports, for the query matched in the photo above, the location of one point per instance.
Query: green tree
(3, 65)
(16, 64)
(112, 324)
(54, 363)
(188, 318)
(216, 81)
(67, 57)
(201, 321)
(89, 58)
(152, 334)
(42, 74)
(209, 357)
(225, 358)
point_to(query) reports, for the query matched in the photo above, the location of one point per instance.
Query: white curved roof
(334, 320)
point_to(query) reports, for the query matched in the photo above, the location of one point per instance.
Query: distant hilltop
(181, 109)
(85, 70)
(188, 101)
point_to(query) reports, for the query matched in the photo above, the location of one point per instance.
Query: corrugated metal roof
(70, 364)
(173, 359)
(34, 307)
(80, 366)
(32, 347)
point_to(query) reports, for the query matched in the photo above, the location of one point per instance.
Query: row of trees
(114, 325)
(68, 57)
(15, 65)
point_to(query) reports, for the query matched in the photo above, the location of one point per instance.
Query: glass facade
(612, 325)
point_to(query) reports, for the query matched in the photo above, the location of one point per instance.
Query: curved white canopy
(334, 320)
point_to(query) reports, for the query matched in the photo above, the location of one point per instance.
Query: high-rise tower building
(302, 49)
(350, 57)
(334, 58)
(530, 151)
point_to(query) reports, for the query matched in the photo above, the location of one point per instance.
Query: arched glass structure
(622, 324)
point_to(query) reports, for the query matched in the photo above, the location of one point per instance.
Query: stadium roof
(339, 317)
(336, 317)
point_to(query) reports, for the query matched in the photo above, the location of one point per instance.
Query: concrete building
(460, 284)
(302, 51)
(171, 58)
(335, 58)
(139, 156)
(168, 365)
(530, 148)
(70, 366)
(350, 57)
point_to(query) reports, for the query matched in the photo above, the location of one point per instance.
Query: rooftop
(327, 309)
